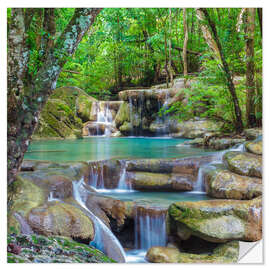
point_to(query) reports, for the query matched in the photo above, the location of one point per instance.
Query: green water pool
(98, 148)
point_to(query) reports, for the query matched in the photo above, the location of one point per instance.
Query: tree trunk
(212, 40)
(259, 10)
(170, 48)
(250, 83)
(27, 98)
(185, 46)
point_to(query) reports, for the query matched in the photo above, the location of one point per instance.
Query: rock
(83, 107)
(157, 181)
(126, 128)
(253, 133)
(217, 220)
(198, 142)
(224, 253)
(38, 248)
(56, 218)
(254, 147)
(195, 128)
(57, 119)
(223, 184)
(223, 143)
(22, 197)
(96, 128)
(122, 115)
(186, 166)
(244, 163)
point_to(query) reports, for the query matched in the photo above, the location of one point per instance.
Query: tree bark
(185, 46)
(259, 10)
(27, 98)
(213, 41)
(250, 70)
(170, 48)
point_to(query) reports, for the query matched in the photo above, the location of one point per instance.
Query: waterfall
(150, 228)
(51, 198)
(130, 114)
(122, 184)
(104, 117)
(217, 159)
(104, 239)
(96, 179)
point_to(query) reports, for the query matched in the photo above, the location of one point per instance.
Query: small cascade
(104, 239)
(122, 184)
(104, 120)
(96, 176)
(150, 228)
(130, 114)
(217, 159)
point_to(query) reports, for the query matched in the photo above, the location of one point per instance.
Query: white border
(257, 251)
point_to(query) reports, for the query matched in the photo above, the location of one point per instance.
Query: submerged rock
(57, 218)
(217, 220)
(224, 253)
(244, 163)
(223, 184)
(254, 147)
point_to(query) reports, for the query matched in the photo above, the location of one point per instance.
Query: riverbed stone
(224, 253)
(218, 221)
(195, 128)
(254, 147)
(57, 218)
(224, 143)
(223, 184)
(158, 181)
(244, 163)
(253, 133)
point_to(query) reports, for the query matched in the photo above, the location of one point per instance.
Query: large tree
(29, 89)
(211, 37)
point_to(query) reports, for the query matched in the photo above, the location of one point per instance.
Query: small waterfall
(104, 117)
(217, 159)
(122, 184)
(130, 114)
(150, 228)
(51, 198)
(103, 234)
(96, 178)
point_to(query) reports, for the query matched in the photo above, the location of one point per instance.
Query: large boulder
(244, 163)
(64, 113)
(223, 184)
(195, 128)
(223, 253)
(158, 181)
(58, 120)
(217, 220)
(223, 143)
(57, 218)
(254, 147)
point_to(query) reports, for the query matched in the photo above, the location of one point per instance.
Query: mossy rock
(57, 218)
(123, 115)
(23, 195)
(254, 147)
(223, 184)
(217, 221)
(40, 249)
(223, 253)
(58, 120)
(253, 133)
(244, 163)
(83, 107)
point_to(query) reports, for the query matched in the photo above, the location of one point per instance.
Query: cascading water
(122, 184)
(104, 117)
(217, 159)
(130, 114)
(96, 175)
(103, 234)
(150, 228)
